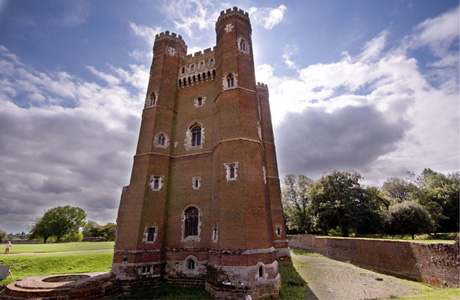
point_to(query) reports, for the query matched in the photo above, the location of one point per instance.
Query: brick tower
(203, 206)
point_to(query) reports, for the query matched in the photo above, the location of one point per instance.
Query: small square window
(146, 269)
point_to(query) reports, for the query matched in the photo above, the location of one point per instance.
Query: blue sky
(365, 85)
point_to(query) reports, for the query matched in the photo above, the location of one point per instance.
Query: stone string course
(437, 264)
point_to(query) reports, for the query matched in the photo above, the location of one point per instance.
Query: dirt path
(332, 280)
(63, 252)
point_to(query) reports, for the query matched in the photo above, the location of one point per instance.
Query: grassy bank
(45, 264)
(58, 247)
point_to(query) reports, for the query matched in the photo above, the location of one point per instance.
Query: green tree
(398, 189)
(87, 229)
(296, 202)
(3, 235)
(339, 201)
(408, 217)
(107, 231)
(58, 222)
(440, 196)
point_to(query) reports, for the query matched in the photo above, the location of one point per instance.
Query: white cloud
(188, 15)
(53, 151)
(145, 32)
(110, 79)
(420, 110)
(266, 16)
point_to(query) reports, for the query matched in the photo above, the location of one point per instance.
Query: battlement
(261, 85)
(206, 52)
(230, 13)
(171, 36)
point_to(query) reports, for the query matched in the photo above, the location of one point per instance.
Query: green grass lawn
(47, 264)
(58, 247)
(437, 294)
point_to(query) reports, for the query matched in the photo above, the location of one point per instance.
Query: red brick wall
(436, 264)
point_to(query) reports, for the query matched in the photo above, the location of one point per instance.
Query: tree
(107, 231)
(398, 189)
(408, 217)
(296, 202)
(58, 222)
(3, 235)
(440, 196)
(88, 227)
(338, 200)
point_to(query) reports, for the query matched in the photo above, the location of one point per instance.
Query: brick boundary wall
(436, 264)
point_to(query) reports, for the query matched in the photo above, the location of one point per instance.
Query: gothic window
(201, 64)
(231, 171)
(161, 140)
(151, 100)
(191, 222)
(230, 80)
(211, 62)
(243, 46)
(192, 68)
(196, 135)
(261, 271)
(150, 234)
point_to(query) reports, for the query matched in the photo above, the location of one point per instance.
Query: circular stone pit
(97, 285)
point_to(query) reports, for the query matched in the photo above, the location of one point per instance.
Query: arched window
(211, 62)
(191, 264)
(196, 135)
(161, 140)
(151, 100)
(261, 271)
(242, 45)
(230, 80)
(191, 222)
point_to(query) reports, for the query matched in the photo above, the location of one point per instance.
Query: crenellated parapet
(235, 12)
(261, 85)
(172, 37)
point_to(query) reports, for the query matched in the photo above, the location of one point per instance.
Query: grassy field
(58, 247)
(28, 265)
(423, 238)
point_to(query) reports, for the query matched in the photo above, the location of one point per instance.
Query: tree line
(338, 204)
(65, 224)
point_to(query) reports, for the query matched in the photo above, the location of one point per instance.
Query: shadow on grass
(293, 285)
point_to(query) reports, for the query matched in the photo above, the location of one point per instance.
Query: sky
(371, 86)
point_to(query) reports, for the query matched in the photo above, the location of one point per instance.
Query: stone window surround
(146, 233)
(191, 238)
(195, 180)
(186, 265)
(197, 102)
(278, 230)
(145, 270)
(152, 182)
(264, 273)
(149, 102)
(227, 167)
(225, 81)
(155, 140)
(246, 45)
(188, 137)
